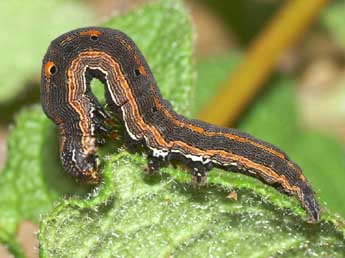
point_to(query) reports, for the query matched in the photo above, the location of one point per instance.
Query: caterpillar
(131, 92)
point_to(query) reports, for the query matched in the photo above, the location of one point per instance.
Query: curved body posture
(76, 57)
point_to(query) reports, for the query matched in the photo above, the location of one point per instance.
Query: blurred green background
(301, 107)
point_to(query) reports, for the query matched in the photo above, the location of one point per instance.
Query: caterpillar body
(75, 58)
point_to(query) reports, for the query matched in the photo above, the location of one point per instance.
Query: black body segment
(131, 92)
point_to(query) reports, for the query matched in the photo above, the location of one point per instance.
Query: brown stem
(286, 27)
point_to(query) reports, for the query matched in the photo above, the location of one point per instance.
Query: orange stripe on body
(84, 121)
(183, 145)
(232, 137)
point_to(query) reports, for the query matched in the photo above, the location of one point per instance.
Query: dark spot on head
(137, 72)
(94, 37)
(154, 109)
(53, 70)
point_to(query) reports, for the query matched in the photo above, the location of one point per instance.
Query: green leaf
(34, 24)
(32, 178)
(140, 216)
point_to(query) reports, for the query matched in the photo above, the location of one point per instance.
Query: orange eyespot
(50, 69)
